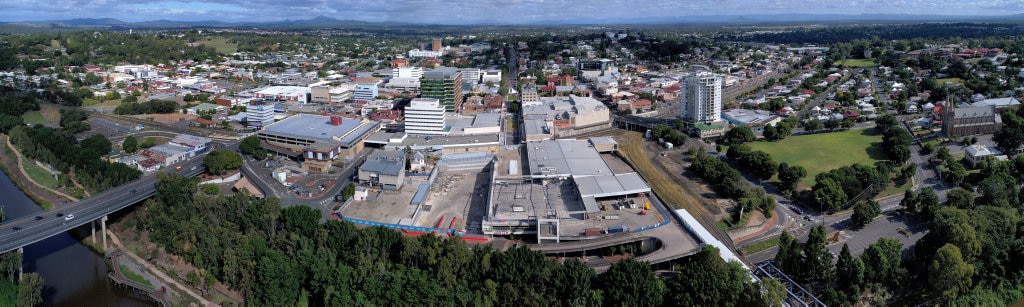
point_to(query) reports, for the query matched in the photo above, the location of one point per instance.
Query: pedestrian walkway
(159, 295)
(149, 268)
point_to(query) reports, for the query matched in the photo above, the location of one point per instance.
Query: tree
(219, 162)
(817, 259)
(788, 257)
(630, 282)
(829, 195)
(711, 281)
(348, 191)
(739, 135)
(249, 144)
(909, 201)
(813, 125)
(960, 198)
(943, 154)
(949, 273)
(849, 270)
(927, 201)
(30, 290)
(863, 213)
(882, 262)
(789, 176)
(956, 174)
(770, 133)
(574, 286)
(130, 144)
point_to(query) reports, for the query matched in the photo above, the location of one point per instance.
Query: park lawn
(34, 117)
(858, 63)
(955, 81)
(221, 44)
(106, 103)
(821, 152)
(39, 174)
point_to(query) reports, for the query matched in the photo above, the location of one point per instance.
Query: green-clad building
(444, 84)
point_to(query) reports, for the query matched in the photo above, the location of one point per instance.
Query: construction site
(543, 191)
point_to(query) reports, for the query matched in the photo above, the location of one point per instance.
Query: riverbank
(169, 268)
(10, 162)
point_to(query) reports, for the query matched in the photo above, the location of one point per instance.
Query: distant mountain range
(328, 22)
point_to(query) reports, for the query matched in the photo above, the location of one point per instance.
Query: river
(75, 275)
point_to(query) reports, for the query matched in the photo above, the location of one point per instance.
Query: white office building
(259, 113)
(701, 96)
(470, 75)
(365, 91)
(405, 77)
(407, 72)
(425, 116)
(492, 75)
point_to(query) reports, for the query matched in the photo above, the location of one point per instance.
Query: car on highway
(69, 217)
(16, 228)
(60, 214)
(38, 217)
(177, 168)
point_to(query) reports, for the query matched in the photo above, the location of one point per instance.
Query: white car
(69, 217)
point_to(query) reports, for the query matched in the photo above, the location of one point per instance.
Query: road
(70, 215)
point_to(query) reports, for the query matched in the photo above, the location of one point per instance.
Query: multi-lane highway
(30, 229)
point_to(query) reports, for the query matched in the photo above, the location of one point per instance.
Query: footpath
(153, 270)
(21, 168)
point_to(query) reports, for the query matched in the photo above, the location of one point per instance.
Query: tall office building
(259, 113)
(701, 97)
(425, 116)
(435, 45)
(444, 84)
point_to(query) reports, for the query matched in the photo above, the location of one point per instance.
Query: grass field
(858, 63)
(822, 152)
(89, 102)
(221, 44)
(39, 174)
(34, 117)
(943, 81)
(134, 276)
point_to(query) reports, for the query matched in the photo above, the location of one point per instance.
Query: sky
(480, 11)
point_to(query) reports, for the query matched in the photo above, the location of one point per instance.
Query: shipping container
(611, 217)
(592, 231)
(617, 229)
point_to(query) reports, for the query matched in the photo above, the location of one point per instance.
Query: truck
(668, 145)
(618, 229)
(649, 134)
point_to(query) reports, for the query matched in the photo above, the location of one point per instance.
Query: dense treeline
(835, 188)
(729, 183)
(283, 256)
(966, 258)
(58, 148)
(830, 35)
(895, 140)
(90, 47)
(759, 163)
(26, 291)
(148, 107)
(14, 103)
